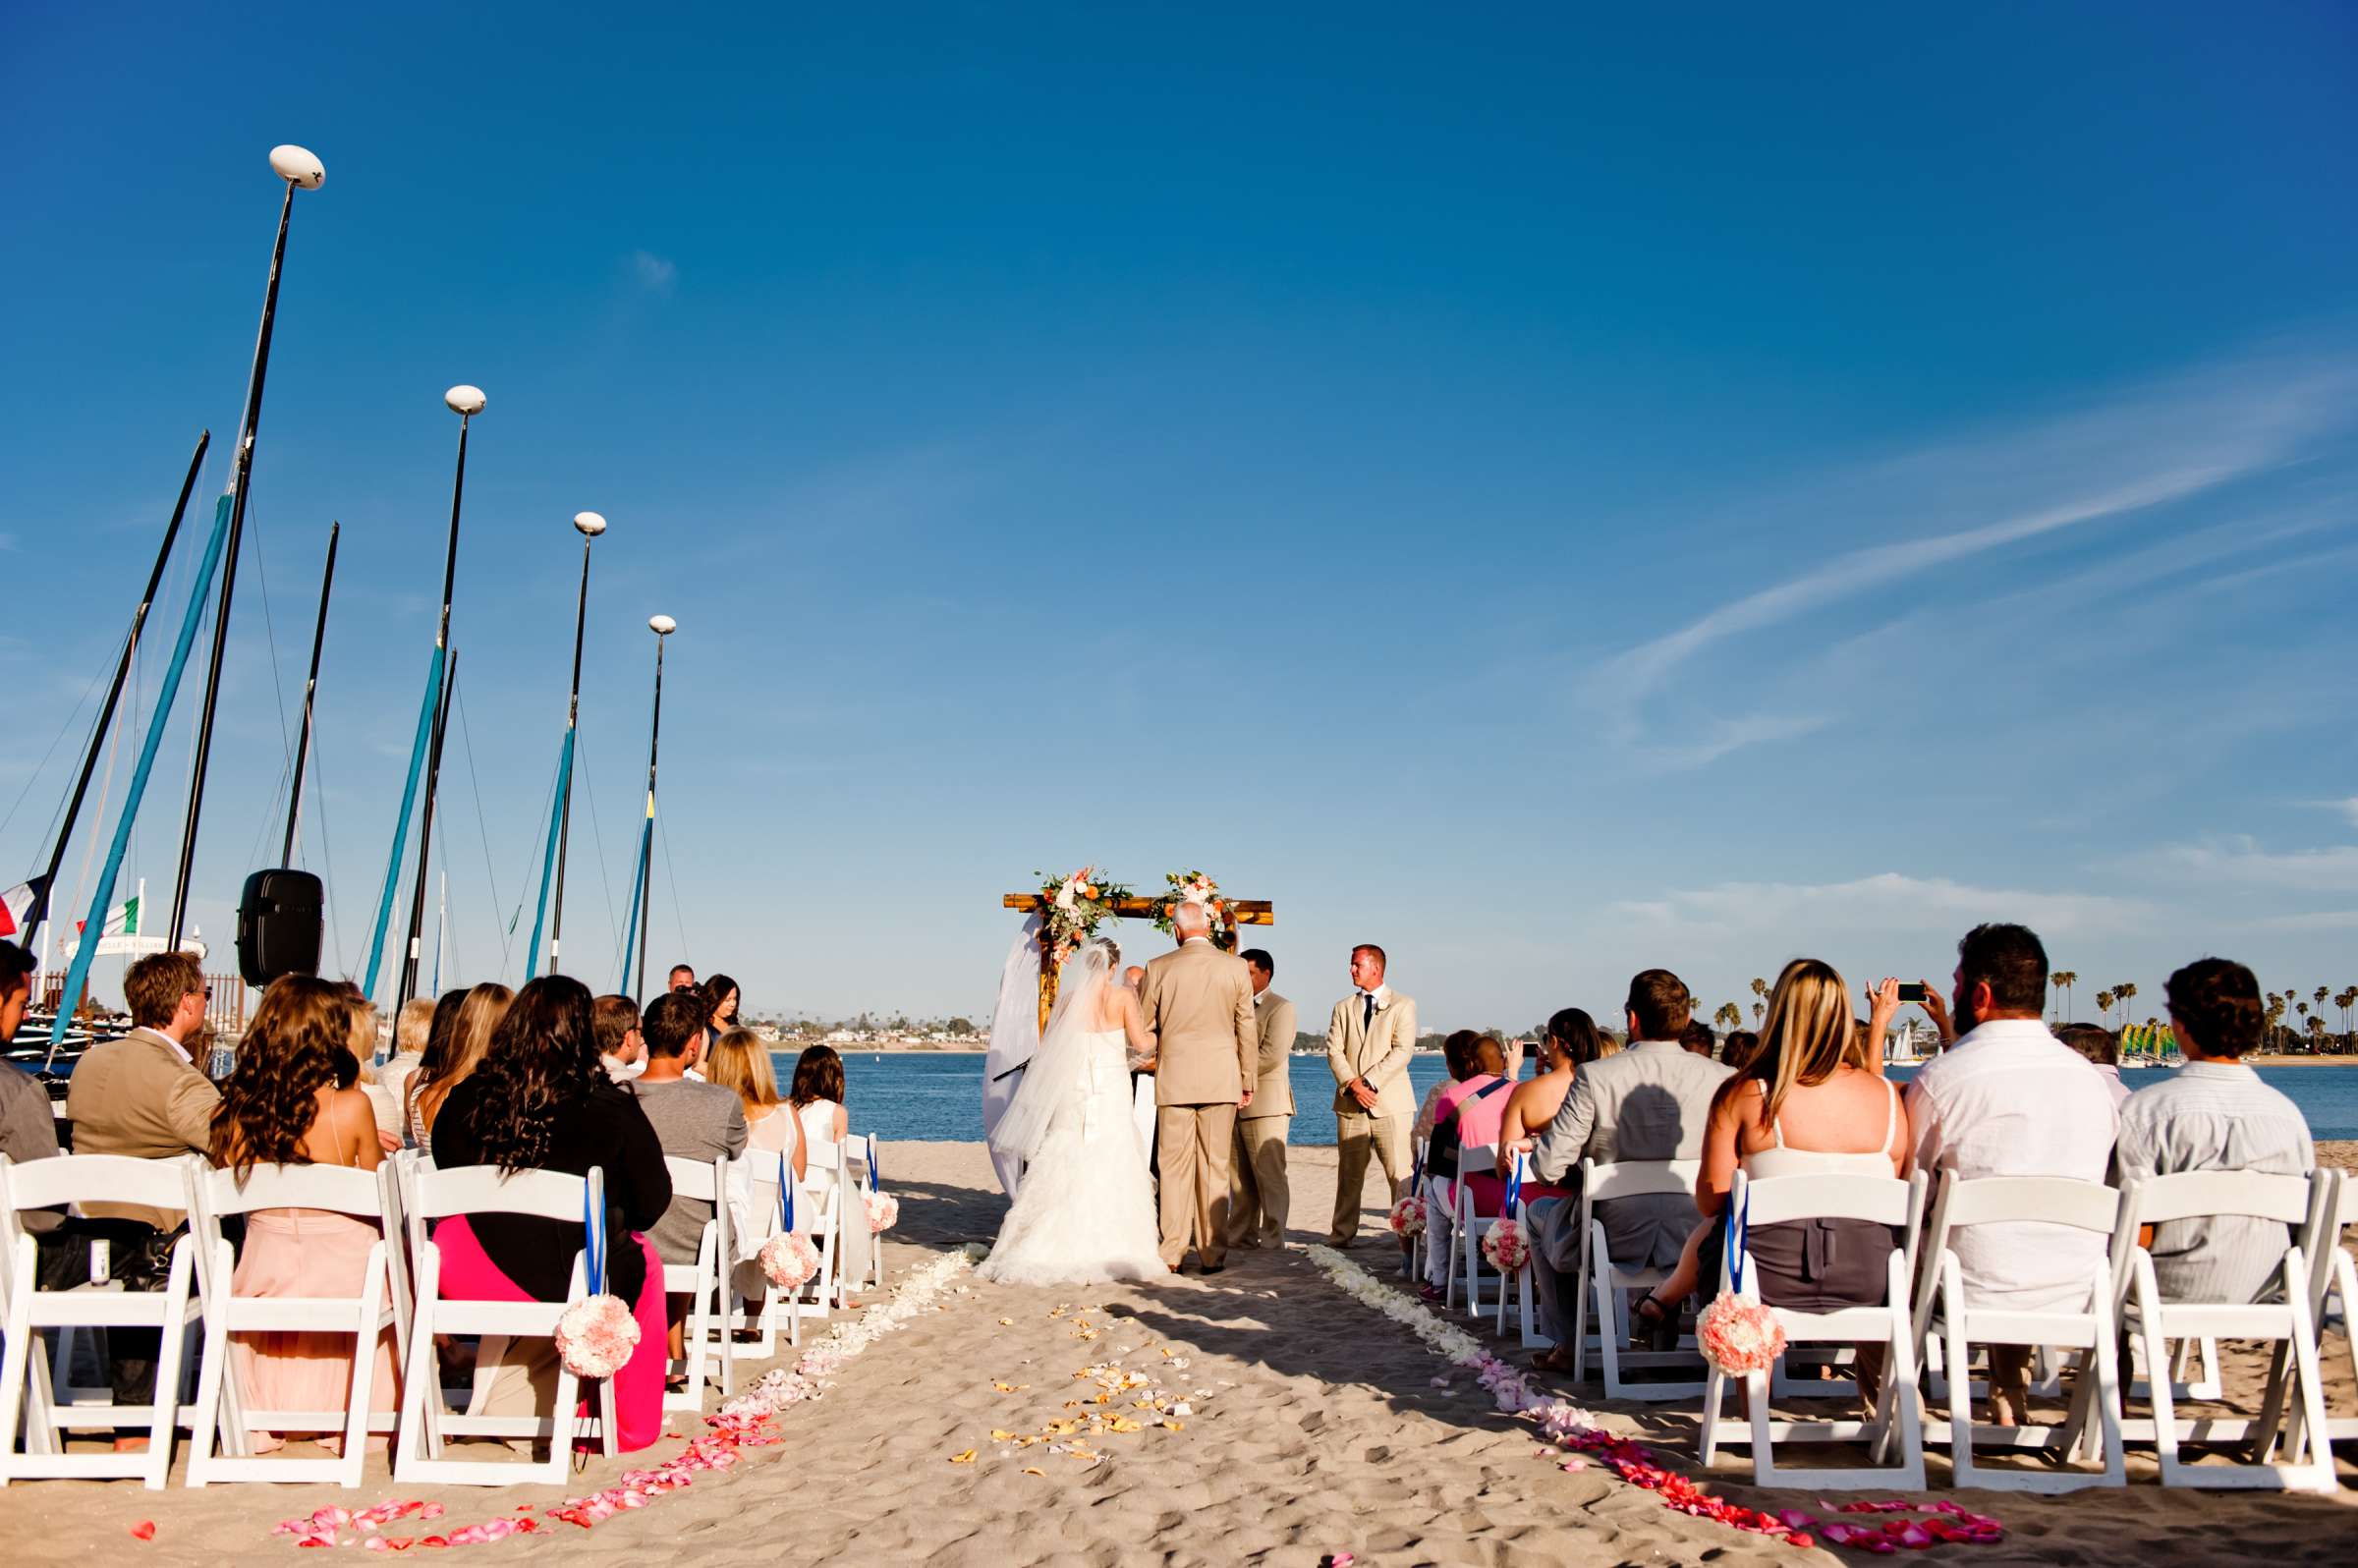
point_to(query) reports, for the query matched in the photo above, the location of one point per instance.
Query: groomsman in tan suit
(1197, 1004)
(1258, 1204)
(1368, 1042)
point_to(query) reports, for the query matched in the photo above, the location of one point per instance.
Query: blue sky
(1550, 493)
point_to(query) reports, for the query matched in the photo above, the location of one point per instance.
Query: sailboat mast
(39, 909)
(310, 688)
(302, 172)
(662, 625)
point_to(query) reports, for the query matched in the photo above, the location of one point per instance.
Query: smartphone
(1911, 992)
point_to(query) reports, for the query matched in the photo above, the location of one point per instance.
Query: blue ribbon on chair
(1739, 1229)
(871, 1164)
(1514, 1190)
(593, 1242)
(785, 1194)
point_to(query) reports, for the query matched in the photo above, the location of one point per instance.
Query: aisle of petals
(1572, 1429)
(745, 1422)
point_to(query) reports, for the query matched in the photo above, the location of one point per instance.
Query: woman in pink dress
(281, 1106)
(1466, 1113)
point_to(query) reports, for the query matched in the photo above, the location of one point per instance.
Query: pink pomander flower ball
(1408, 1216)
(883, 1211)
(788, 1259)
(1739, 1336)
(597, 1335)
(1507, 1246)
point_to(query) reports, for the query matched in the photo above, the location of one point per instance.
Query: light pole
(662, 625)
(466, 402)
(302, 172)
(590, 524)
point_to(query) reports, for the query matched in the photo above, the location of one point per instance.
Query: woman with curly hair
(282, 1106)
(540, 1100)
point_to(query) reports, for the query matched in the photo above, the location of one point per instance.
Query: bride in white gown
(1084, 1210)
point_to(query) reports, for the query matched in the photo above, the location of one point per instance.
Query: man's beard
(1961, 1017)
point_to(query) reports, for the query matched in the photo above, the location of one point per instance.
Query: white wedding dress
(1084, 1211)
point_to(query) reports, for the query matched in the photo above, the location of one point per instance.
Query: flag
(121, 921)
(15, 905)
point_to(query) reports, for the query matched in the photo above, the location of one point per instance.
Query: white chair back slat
(2051, 1200)
(340, 1188)
(1779, 1199)
(2197, 1194)
(102, 1179)
(488, 1189)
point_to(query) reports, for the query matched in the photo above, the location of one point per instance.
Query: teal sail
(401, 829)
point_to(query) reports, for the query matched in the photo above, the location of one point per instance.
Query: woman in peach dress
(282, 1106)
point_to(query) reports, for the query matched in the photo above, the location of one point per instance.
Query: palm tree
(2122, 993)
(2345, 999)
(2067, 979)
(2275, 1016)
(2103, 1005)
(1730, 1015)
(2056, 981)
(1758, 1008)
(2319, 997)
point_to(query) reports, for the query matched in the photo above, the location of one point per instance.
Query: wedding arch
(1072, 907)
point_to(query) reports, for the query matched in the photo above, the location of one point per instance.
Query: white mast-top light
(298, 166)
(463, 399)
(661, 625)
(591, 524)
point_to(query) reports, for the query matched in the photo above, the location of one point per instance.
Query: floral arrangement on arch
(1077, 905)
(1194, 887)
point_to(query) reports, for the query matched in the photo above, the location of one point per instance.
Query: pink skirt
(307, 1251)
(469, 1274)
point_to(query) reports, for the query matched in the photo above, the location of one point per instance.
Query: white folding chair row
(437, 1194)
(2334, 1290)
(755, 1304)
(863, 1265)
(27, 1406)
(1880, 1201)
(2299, 1202)
(705, 1337)
(222, 1416)
(1947, 1318)
(1601, 1286)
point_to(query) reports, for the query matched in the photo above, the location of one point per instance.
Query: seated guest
(281, 1106)
(818, 1097)
(1808, 1103)
(438, 1037)
(2010, 1099)
(1440, 1216)
(740, 1064)
(357, 1065)
(720, 1010)
(2214, 1114)
(1649, 1102)
(472, 1030)
(1571, 1041)
(621, 1048)
(1698, 1039)
(539, 1101)
(1737, 1049)
(693, 1120)
(411, 1028)
(2101, 1047)
(28, 1130)
(143, 1095)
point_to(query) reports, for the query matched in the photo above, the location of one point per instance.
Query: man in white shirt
(2010, 1099)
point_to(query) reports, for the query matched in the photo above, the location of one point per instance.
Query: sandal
(1555, 1359)
(1652, 1314)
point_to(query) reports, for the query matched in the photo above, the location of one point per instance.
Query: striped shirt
(2214, 1116)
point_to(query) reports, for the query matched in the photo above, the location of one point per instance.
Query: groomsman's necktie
(1367, 1016)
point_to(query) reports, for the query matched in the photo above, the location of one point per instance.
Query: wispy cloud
(654, 273)
(1888, 901)
(2147, 449)
(2240, 859)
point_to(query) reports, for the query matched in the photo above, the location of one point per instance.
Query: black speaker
(280, 918)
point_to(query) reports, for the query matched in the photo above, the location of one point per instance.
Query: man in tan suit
(1258, 1204)
(141, 1096)
(1197, 1004)
(1368, 1042)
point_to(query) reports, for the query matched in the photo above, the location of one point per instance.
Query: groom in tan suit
(1197, 1004)
(1368, 1042)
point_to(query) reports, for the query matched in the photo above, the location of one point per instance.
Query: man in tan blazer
(141, 1096)
(1197, 1004)
(1368, 1042)
(1258, 1203)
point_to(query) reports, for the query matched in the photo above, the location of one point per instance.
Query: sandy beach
(1283, 1421)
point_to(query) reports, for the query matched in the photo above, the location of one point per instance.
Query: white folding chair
(2153, 1323)
(438, 1194)
(1464, 1217)
(863, 1265)
(1945, 1315)
(702, 1283)
(1880, 1201)
(818, 1214)
(30, 1420)
(223, 1415)
(2333, 1291)
(1601, 1286)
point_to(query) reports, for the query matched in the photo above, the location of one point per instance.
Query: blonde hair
(1808, 1036)
(740, 1061)
(469, 1039)
(413, 1024)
